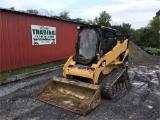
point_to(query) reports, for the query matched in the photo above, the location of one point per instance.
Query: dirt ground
(140, 101)
(139, 57)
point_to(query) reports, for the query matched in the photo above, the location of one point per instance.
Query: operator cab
(93, 40)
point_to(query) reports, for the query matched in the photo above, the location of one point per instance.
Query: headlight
(78, 27)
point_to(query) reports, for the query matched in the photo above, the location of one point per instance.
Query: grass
(7, 74)
(152, 49)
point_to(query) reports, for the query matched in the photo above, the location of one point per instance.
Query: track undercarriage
(114, 83)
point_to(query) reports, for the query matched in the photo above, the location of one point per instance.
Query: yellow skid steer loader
(99, 68)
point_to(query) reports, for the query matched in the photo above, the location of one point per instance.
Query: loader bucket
(78, 97)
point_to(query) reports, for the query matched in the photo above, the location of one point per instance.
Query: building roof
(53, 18)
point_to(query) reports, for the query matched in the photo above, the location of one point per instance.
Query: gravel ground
(141, 101)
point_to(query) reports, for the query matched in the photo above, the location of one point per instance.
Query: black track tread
(108, 81)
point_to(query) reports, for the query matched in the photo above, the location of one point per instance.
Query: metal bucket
(78, 97)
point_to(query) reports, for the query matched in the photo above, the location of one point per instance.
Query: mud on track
(141, 101)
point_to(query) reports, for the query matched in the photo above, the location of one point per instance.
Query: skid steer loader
(99, 68)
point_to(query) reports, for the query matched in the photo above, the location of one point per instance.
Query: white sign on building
(43, 35)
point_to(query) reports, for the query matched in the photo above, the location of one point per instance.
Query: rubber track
(109, 80)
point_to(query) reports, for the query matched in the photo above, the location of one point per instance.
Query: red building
(27, 39)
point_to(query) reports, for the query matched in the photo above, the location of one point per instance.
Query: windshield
(87, 46)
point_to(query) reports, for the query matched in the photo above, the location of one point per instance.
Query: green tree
(33, 11)
(103, 19)
(64, 15)
(125, 28)
(91, 22)
(148, 36)
(45, 12)
(155, 24)
(79, 20)
(155, 27)
(145, 37)
(157, 13)
(135, 37)
(12, 8)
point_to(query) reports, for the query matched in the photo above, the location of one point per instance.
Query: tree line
(148, 36)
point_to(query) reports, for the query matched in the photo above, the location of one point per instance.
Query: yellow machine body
(83, 96)
(105, 64)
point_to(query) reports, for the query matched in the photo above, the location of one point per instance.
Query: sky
(136, 12)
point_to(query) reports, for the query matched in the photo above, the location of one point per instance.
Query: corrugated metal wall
(16, 49)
